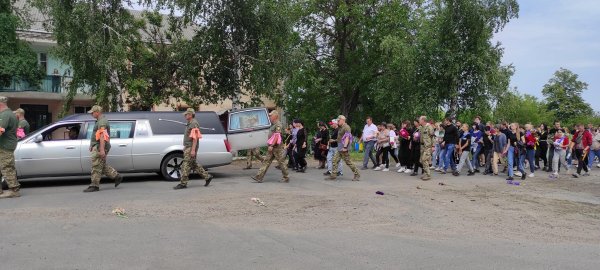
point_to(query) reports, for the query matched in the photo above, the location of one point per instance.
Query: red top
(530, 140)
(587, 138)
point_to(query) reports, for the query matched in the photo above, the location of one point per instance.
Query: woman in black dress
(415, 149)
(321, 140)
(542, 149)
(300, 147)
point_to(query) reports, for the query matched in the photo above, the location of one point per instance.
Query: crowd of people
(521, 150)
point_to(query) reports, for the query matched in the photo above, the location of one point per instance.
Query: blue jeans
(435, 154)
(591, 156)
(441, 157)
(369, 154)
(511, 161)
(531, 159)
(475, 160)
(330, 154)
(449, 157)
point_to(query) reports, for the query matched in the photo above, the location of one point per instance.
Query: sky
(550, 34)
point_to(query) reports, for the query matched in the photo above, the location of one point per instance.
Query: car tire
(170, 168)
(4, 184)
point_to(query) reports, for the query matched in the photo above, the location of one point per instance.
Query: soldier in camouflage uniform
(426, 130)
(99, 148)
(343, 153)
(252, 153)
(23, 124)
(276, 152)
(190, 150)
(8, 144)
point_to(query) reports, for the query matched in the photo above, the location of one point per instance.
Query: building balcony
(49, 84)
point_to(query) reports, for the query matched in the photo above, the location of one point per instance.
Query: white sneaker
(408, 171)
(438, 169)
(385, 170)
(401, 170)
(397, 165)
(377, 168)
(519, 174)
(531, 175)
(598, 166)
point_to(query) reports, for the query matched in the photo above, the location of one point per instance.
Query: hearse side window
(248, 120)
(118, 130)
(174, 123)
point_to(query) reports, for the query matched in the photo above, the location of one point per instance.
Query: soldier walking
(344, 139)
(23, 126)
(426, 130)
(252, 153)
(8, 144)
(99, 148)
(275, 151)
(190, 142)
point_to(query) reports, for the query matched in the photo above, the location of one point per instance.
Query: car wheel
(171, 167)
(4, 184)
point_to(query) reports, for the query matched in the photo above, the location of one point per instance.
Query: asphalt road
(306, 224)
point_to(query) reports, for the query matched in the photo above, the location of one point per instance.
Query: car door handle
(70, 147)
(122, 145)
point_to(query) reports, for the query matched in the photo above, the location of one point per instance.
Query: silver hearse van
(140, 142)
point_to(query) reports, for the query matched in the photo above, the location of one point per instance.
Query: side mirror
(38, 139)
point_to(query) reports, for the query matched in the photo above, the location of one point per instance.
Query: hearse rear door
(248, 128)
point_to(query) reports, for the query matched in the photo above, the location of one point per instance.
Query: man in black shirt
(449, 144)
(488, 150)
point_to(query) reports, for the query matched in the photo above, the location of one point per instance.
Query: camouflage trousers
(189, 164)
(253, 153)
(276, 154)
(345, 156)
(7, 169)
(426, 159)
(99, 168)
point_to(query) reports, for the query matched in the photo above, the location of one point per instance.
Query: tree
(17, 60)
(239, 48)
(461, 66)
(94, 37)
(563, 96)
(514, 107)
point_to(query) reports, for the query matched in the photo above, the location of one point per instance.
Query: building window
(44, 62)
(82, 109)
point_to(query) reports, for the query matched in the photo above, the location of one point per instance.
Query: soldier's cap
(274, 112)
(3, 99)
(341, 117)
(19, 111)
(190, 111)
(95, 108)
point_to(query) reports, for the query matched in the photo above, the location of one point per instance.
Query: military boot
(91, 189)
(10, 194)
(208, 179)
(118, 180)
(426, 178)
(256, 179)
(356, 177)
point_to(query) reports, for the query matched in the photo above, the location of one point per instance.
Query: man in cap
(190, 150)
(333, 149)
(8, 144)
(427, 132)
(344, 139)
(275, 150)
(99, 148)
(23, 126)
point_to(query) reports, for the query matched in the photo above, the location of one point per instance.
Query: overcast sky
(550, 34)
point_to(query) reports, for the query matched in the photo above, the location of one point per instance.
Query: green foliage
(17, 60)
(514, 107)
(563, 95)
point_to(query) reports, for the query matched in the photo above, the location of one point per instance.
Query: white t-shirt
(369, 133)
(393, 138)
